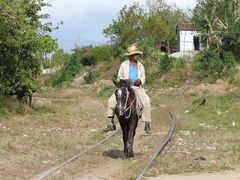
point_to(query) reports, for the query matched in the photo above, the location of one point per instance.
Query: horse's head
(122, 95)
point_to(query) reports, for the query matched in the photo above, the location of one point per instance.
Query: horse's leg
(134, 131)
(124, 127)
(133, 125)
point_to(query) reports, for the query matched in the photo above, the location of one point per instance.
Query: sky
(84, 20)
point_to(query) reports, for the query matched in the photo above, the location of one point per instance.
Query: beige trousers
(146, 114)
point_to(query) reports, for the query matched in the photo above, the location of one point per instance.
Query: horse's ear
(115, 83)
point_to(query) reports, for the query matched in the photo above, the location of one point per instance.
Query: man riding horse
(133, 70)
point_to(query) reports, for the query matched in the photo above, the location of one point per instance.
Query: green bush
(180, 63)
(147, 46)
(179, 68)
(107, 91)
(116, 50)
(100, 53)
(166, 64)
(87, 60)
(91, 76)
(69, 71)
(214, 63)
(95, 54)
(123, 57)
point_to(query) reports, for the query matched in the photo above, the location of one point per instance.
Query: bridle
(129, 107)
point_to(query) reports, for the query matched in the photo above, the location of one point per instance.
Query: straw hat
(133, 50)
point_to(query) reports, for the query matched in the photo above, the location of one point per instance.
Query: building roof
(185, 27)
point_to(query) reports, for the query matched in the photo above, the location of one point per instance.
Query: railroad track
(166, 140)
(163, 144)
(49, 172)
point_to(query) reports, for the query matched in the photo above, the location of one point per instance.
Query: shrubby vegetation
(100, 53)
(166, 64)
(214, 63)
(218, 22)
(70, 70)
(24, 40)
(92, 55)
(91, 76)
(83, 57)
(107, 91)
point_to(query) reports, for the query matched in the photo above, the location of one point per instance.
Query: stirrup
(110, 127)
(147, 128)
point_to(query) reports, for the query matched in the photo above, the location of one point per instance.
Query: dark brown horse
(127, 114)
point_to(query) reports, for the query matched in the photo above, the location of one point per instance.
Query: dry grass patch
(42, 138)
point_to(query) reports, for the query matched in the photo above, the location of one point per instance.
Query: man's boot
(147, 128)
(111, 126)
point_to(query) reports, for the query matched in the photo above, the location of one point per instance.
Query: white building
(188, 39)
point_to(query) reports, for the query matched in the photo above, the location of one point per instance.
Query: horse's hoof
(131, 155)
(132, 159)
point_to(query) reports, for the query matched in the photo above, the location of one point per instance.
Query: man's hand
(137, 82)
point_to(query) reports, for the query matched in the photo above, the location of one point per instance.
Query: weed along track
(104, 159)
(56, 168)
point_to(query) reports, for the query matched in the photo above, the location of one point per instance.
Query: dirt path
(229, 175)
(111, 167)
(106, 162)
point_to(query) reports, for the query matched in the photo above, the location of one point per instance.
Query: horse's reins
(129, 107)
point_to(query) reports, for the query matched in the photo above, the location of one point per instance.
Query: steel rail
(49, 172)
(161, 147)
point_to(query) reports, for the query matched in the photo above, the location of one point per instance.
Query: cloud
(78, 9)
(84, 20)
(183, 4)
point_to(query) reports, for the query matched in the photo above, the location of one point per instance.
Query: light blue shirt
(133, 73)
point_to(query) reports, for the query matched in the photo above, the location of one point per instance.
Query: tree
(128, 27)
(167, 18)
(23, 39)
(157, 22)
(219, 22)
(156, 29)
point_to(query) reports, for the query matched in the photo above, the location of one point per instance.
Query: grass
(220, 111)
(3, 111)
(210, 131)
(99, 137)
(42, 138)
(106, 91)
(7, 105)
